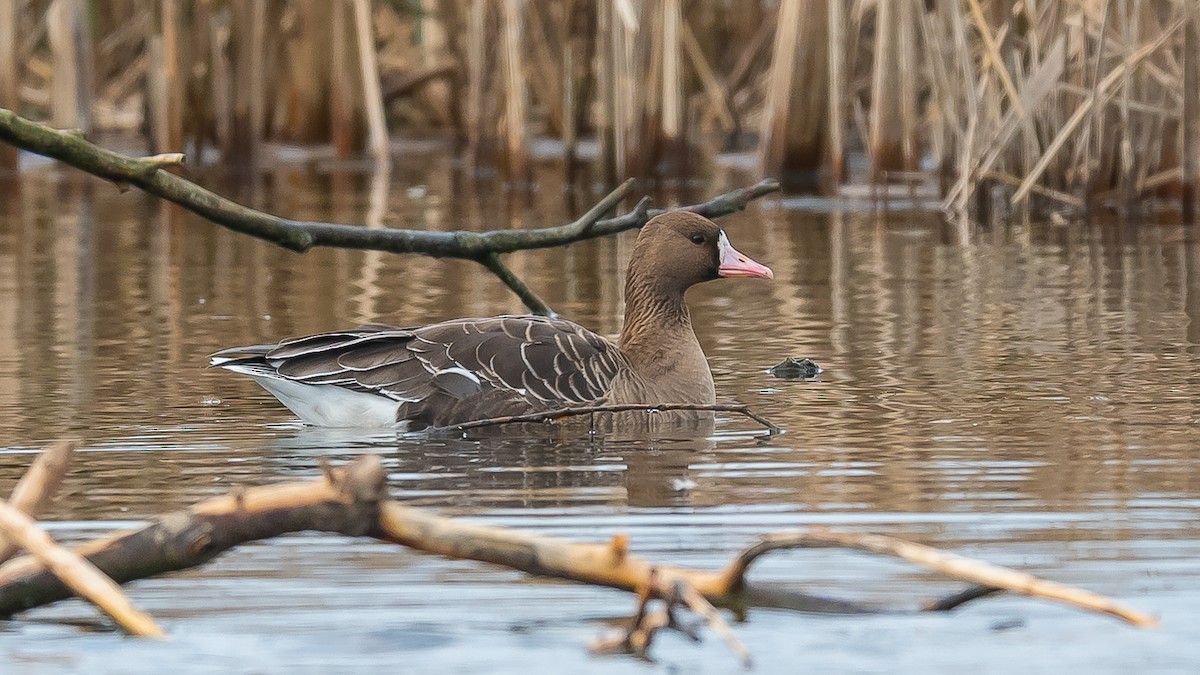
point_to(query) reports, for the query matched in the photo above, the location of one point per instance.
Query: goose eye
(697, 238)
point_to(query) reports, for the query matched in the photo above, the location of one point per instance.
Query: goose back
(448, 372)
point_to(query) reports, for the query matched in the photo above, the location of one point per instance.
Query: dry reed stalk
(70, 45)
(173, 130)
(887, 128)
(717, 93)
(1092, 122)
(980, 116)
(1013, 181)
(992, 55)
(742, 73)
(1103, 91)
(516, 156)
(476, 70)
(156, 94)
(586, 36)
(433, 49)
(546, 66)
(1126, 177)
(76, 572)
(373, 99)
(452, 14)
(644, 134)
(943, 116)
(304, 81)
(255, 80)
(341, 113)
(782, 72)
(606, 79)
(221, 81)
(623, 32)
(794, 123)
(196, 113)
(908, 65)
(1034, 90)
(247, 105)
(1191, 114)
(836, 49)
(9, 73)
(1148, 126)
(570, 97)
(672, 73)
(966, 137)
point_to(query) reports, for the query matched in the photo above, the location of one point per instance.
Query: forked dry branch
(18, 530)
(75, 572)
(38, 486)
(353, 500)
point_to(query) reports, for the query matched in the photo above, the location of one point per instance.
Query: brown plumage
(466, 369)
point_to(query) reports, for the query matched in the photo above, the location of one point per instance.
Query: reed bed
(1073, 103)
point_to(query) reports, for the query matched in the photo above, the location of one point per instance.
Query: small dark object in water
(796, 369)
(1008, 624)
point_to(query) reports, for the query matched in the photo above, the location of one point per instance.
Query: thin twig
(588, 220)
(700, 605)
(956, 600)
(527, 296)
(559, 413)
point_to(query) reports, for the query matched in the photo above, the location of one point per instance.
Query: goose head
(679, 249)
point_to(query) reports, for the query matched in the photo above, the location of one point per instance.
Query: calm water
(1028, 398)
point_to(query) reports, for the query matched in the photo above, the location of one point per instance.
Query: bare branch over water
(300, 235)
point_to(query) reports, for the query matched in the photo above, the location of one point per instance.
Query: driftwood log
(353, 501)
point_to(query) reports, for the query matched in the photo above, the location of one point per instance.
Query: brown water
(1028, 397)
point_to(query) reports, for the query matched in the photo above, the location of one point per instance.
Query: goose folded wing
(532, 361)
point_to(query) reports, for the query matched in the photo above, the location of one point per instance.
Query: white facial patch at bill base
(723, 246)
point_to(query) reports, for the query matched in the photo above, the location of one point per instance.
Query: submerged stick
(559, 413)
(74, 571)
(38, 487)
(959, 567)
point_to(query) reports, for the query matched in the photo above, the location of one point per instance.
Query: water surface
(1028, 397)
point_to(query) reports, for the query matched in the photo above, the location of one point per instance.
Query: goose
(461, 370)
